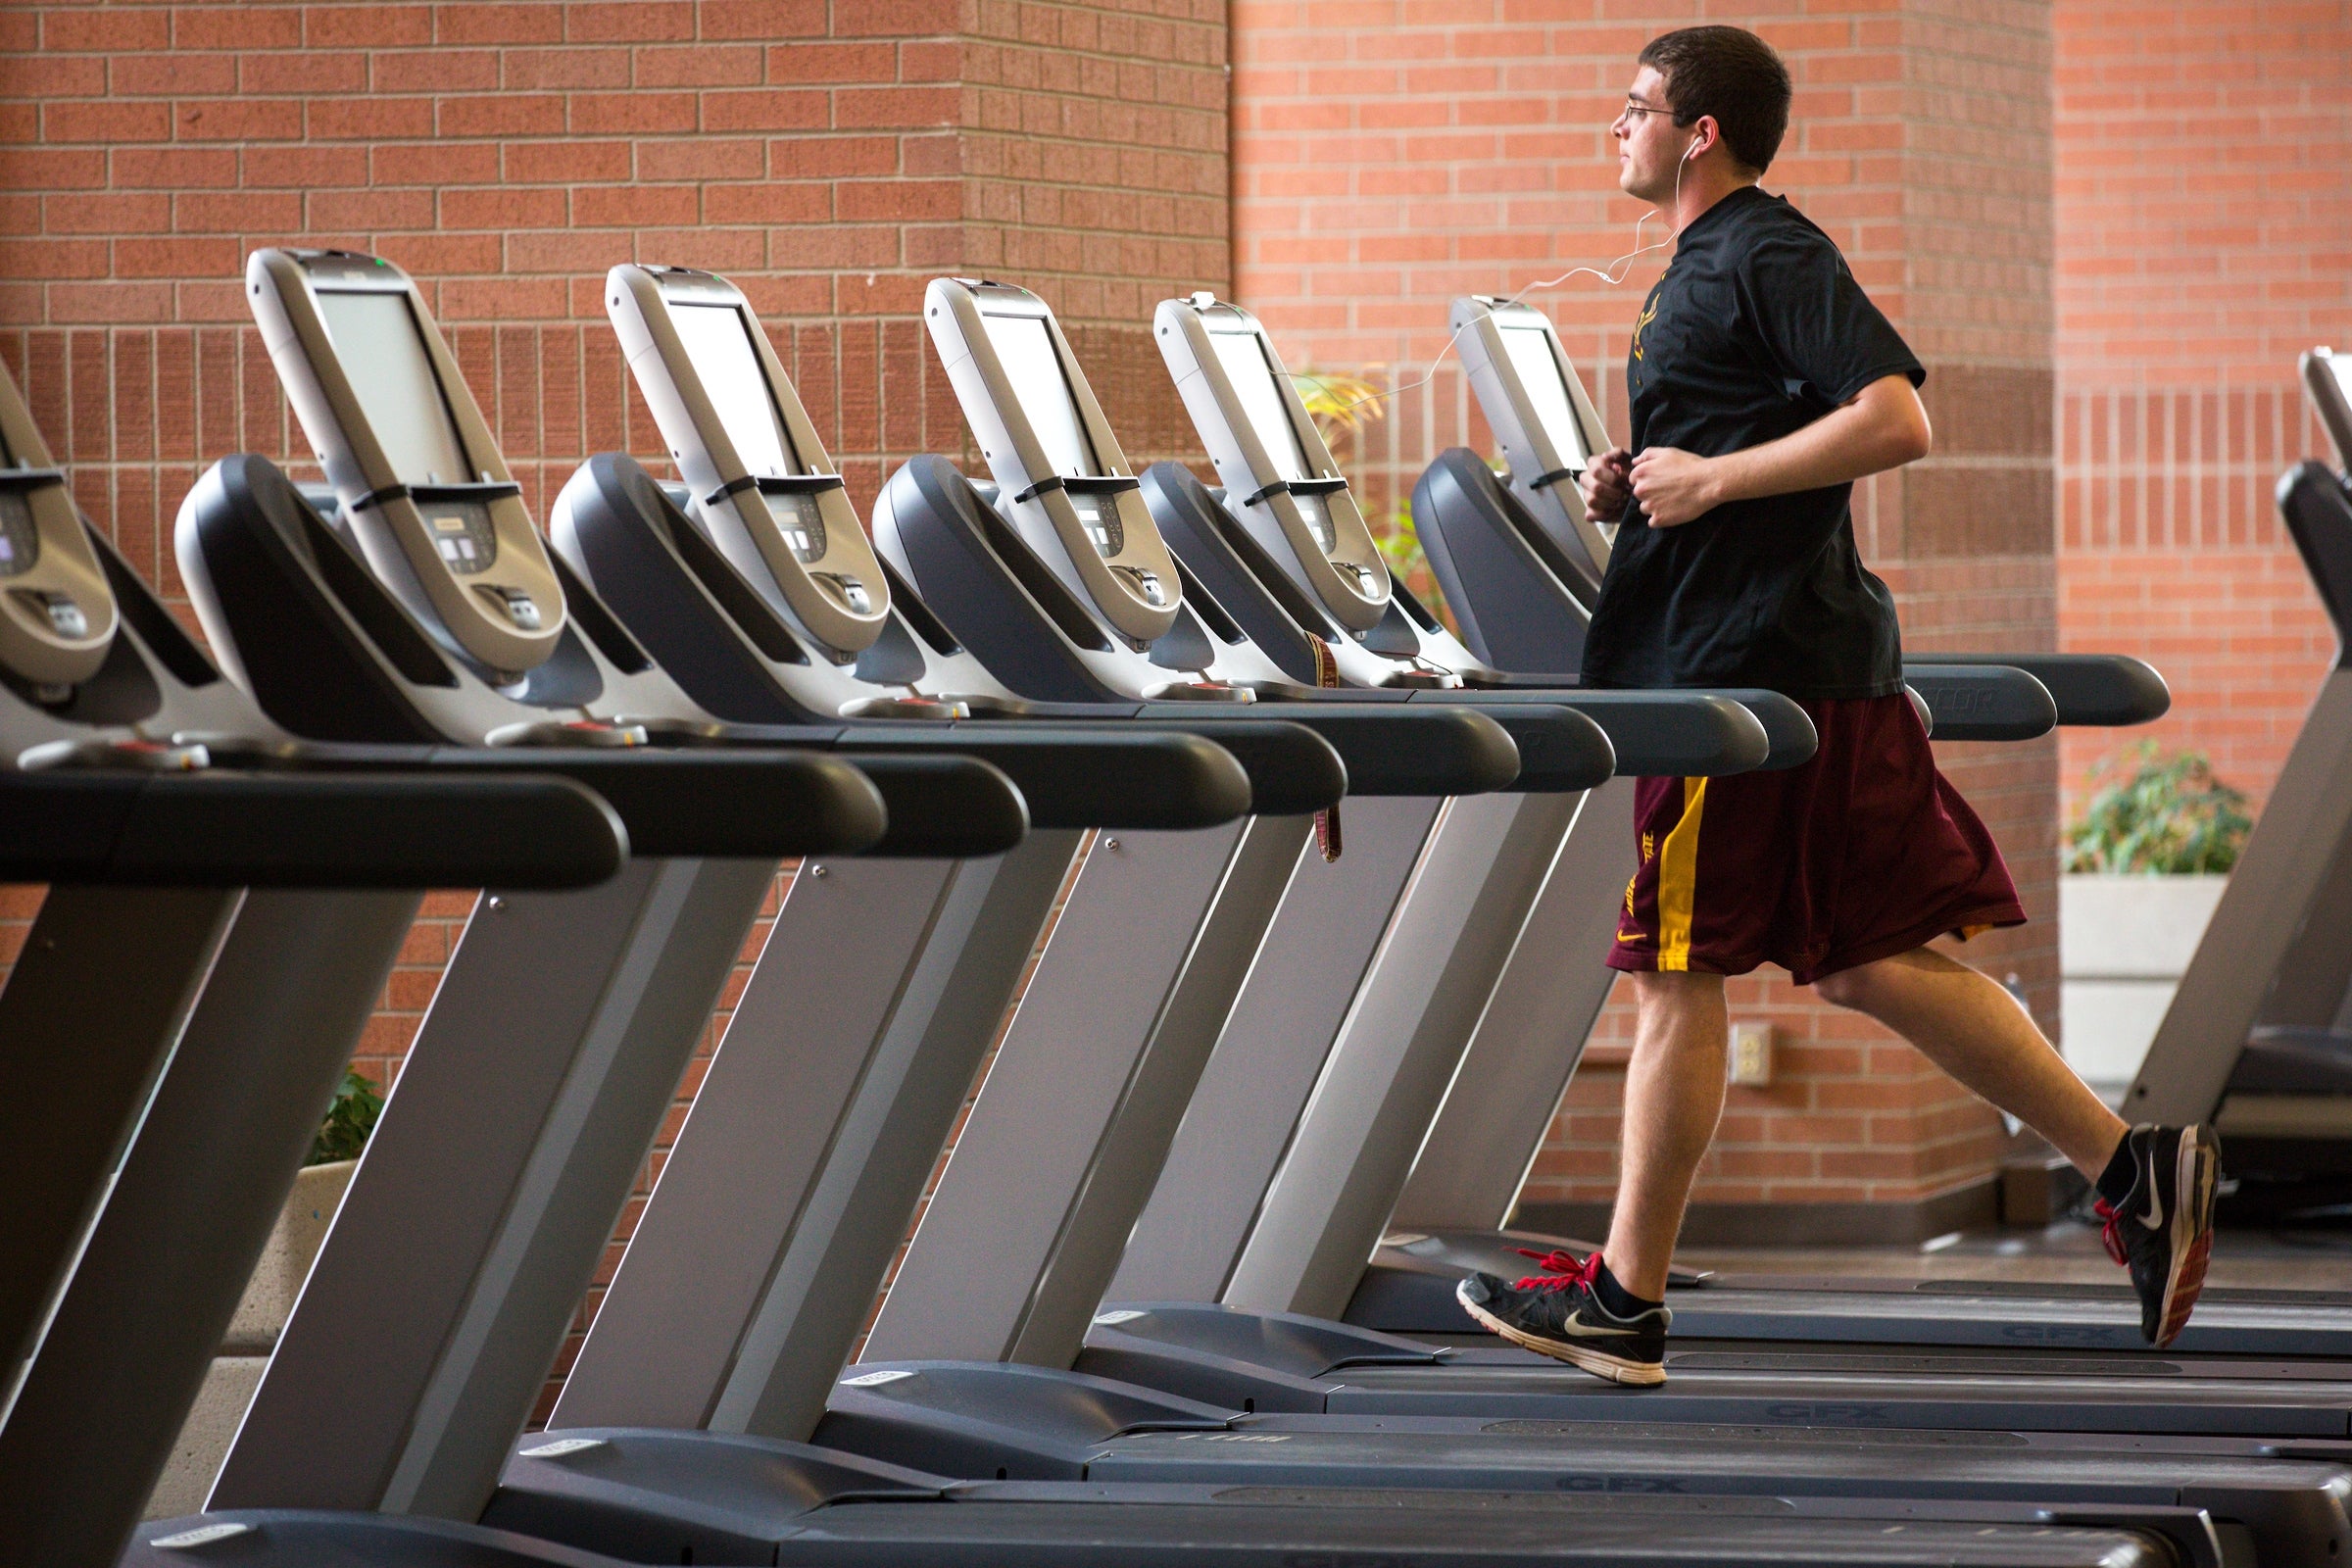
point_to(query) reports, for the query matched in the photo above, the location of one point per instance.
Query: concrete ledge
(1895, 1224)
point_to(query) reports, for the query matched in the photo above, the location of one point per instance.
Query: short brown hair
(1732, 74)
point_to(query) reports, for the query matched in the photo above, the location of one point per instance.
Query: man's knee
(1865, 986)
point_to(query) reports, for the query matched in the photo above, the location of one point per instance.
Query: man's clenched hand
(1674, 486)
(1605, 485)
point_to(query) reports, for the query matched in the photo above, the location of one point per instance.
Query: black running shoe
(1558, 1315)
(2162, 1229)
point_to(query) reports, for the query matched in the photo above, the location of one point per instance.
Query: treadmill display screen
(1026, 349)
(2338, 418)
(384, 356)
(718, 340)
(1529, 351)
(1251, 373)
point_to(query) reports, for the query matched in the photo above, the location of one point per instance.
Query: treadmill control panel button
(517, 605)
(1146, 583)
(848, 590)
(63, 615)
(461, 535)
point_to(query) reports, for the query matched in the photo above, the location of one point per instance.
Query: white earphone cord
(1602, 273)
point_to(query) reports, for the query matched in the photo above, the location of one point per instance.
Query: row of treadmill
(1327, 889)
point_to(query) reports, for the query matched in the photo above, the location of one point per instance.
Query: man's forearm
(1881, 429)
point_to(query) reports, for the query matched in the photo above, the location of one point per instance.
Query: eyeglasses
(1634, 109)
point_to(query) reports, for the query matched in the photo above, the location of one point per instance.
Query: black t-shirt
(1756, 330)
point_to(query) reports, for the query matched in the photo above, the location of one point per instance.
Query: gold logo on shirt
(1649, 314)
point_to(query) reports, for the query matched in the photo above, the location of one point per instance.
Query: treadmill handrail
(1401, 749)
(225, 829)
(2094, 690)
(1983, 701)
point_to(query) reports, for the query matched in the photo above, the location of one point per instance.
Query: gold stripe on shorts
(1677, 879)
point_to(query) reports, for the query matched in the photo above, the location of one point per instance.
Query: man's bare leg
(1972, 1028)
(1673, 1099)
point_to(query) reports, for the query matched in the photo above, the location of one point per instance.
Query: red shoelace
(1559, 1270)
(2113, 1231)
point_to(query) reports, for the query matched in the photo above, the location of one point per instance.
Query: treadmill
(2258, 1039)
(709, 1356)
(1508, 560)
(115, 801)
(585, 1481)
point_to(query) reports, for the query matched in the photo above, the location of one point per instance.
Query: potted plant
(2143, 869)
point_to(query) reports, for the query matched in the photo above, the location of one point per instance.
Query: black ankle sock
(1616, 1299)
(2115, 1183)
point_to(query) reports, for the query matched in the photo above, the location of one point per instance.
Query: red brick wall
(1391, 156)
(2204, 223)
(830, 157)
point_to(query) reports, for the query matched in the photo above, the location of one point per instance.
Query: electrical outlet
(1751, 1059)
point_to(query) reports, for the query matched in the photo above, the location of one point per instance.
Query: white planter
(2124, 942)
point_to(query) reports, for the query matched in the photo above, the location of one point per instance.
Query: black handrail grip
(1685, 734)
(1396, 748)
(298, 830)
(721, 803)
(2101, 690)
(944, 807)
(1092, 775)
(1983, 701)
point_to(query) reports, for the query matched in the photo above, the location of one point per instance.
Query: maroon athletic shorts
(1863, 852)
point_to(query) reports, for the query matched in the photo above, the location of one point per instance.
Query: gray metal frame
(1403, 1042)
(786, 1194)
(2274, 951)
(1265, 1066)
(281, 1010)
(483, 1202)
(2278, 949)
(1486, 1136)
(1069, 1130)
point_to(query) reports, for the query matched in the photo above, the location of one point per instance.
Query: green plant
(1339, 403)
(2169, 818)
(349, 1120)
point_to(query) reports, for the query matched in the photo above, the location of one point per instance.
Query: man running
(1763, 383)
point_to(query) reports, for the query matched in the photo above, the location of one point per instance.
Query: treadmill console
(1277, 474)
(1051, 451)
(762, 487)
(1539, 409)
(425, 492)
(57, 616)
(2328, 377)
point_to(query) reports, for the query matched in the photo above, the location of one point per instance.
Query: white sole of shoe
(2196, 1169)
(1633, 1374)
